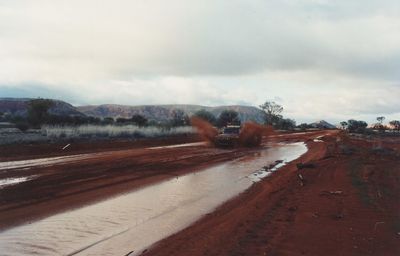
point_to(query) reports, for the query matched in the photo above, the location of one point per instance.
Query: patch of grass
(83, 131)
(358, 182)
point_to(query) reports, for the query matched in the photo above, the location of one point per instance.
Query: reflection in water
(194, 144)
(43, 161)
(12, 181)
(136, 220)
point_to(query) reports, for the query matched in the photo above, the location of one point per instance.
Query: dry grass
(84, 131)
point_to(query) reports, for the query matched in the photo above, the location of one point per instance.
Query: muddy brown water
(134, 221)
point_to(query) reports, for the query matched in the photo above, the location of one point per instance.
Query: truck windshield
(231, 130)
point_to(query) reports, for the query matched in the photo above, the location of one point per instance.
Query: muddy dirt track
(85, 177)
(345, 201)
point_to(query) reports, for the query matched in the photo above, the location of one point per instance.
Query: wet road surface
(135, 220)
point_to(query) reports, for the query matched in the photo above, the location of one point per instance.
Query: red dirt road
(346, 204)
(110, 171)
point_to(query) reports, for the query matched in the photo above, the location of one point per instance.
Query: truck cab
(228, 136)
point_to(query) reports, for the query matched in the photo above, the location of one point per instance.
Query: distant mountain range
(165, 112)
(159, 113)
(19, 106)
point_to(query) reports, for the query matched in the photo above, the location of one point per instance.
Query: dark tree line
(136, 119)
(227, 117)
(38, 114)
(358, 126)
(272, 116)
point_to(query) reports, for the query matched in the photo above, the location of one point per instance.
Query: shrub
(139, 120)
(228, 117)
(206, 115)
(22, 126)
(38, 111)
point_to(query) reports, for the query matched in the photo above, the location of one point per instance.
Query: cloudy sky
(320, 59)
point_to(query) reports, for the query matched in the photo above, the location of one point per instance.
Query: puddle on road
(318, 139)
(134, 221)
(194, 144)
(13, 181)
(290, 134)
(264, 172)
(42, 161)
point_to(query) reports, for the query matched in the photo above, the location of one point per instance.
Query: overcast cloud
(320, 59)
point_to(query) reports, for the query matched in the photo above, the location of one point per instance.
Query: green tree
(206, 115)
(108, 120)
(380, 125)
(395, 124)
(121, 120)
(2, 116)
(344, 124)
(179, 118)
(380, 119)
(272, 112)
(38, 111)
(303, 126)
(286, 124)
(20, 122)
(356, 126)
(228, 117)
(139, 120)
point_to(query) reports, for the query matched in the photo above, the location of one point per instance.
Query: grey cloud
(208, 52)
(195, 38)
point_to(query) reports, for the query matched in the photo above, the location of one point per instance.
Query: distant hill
(322, 124)
(19, 107)
(165, 112)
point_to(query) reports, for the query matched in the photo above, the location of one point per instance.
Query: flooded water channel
(134, 221)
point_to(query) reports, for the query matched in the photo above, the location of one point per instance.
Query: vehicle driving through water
(228, 136)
